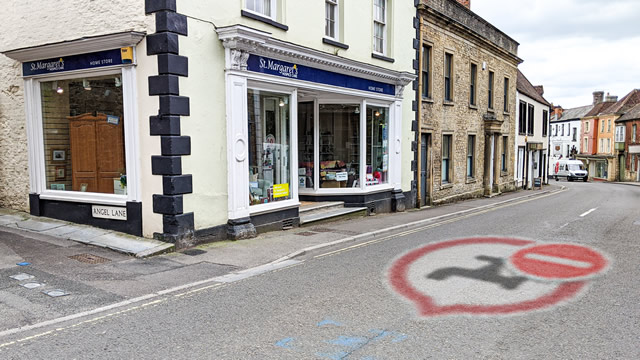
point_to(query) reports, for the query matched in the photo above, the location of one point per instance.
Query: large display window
(339, 145)
(269, 146)
(377, 145)
(83, 134)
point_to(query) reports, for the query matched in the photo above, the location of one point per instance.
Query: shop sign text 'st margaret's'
(284, 70)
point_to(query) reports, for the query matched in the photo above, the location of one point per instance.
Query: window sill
(474, 107)
(446, 186)
(506, 113)
(490, 110)
(471, 180)
(335, 43)
(448, 103)
(427, 100)
(263, 19)
(503, 173)
(382, 57)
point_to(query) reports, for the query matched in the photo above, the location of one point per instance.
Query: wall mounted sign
(109, 212)
(280, 68)
(77, 62)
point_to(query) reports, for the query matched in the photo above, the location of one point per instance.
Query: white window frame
(336, 18)
(586, 144)
(293, 149)
(383, 23)
(35, 137)
(272, 4)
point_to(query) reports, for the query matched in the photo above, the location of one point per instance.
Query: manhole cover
(306, 233)
(56, 293)
(21, 276)
(31, 285)
(194, 252)
(89, 259)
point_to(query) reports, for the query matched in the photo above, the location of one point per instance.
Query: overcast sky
(572, 47)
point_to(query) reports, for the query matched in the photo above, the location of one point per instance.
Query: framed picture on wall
(58, 155)
(60, 172)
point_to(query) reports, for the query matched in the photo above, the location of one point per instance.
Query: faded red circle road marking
(559, 261)
(398, 278)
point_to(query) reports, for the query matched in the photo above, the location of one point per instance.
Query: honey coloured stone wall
(459, 117)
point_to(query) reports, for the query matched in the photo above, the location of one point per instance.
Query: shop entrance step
(321, 211)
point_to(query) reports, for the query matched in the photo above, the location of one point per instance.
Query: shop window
(83, 132)
(339, 145)
(306, 168)
(446, 159)
(377, 145)
(269, 147)
(379, 26)
(330, 18)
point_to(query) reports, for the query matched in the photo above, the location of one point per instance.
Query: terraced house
(466, 105)
(214, 119)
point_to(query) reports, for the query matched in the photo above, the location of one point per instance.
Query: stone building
(466, 103)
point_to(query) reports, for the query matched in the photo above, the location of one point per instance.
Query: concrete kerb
(408, 226)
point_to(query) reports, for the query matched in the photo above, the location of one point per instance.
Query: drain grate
(306, 233)
(194, 252)
(89, 259)
(287, 224)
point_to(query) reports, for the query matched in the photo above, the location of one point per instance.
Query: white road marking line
(588, 212)
(559, 260)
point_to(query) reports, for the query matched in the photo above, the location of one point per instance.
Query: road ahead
(340, 303)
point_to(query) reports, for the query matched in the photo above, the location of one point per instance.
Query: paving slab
(38, 225)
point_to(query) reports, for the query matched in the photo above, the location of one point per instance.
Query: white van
(571, 169)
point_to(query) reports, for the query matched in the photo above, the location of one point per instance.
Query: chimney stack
(598, 97)
(610, 98)
(465, 3)
(539, 89)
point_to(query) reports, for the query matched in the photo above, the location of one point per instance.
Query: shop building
(532, 132)
(188, 120)
(627, 130)
(466, 104)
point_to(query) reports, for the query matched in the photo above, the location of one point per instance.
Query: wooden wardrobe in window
(97, 152)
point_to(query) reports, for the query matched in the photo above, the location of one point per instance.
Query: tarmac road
(341, 302)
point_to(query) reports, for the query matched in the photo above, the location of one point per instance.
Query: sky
(572, 47)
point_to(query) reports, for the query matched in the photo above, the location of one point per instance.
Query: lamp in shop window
(118, 81)
(281, 103)
(86, 85)
(357, 111)
(57, 88)
(377, 113)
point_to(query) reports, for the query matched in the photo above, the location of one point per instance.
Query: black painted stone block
(414, 165)
(175, 145)
(414, 126)
(167, 204)
(415, 85)
(416, 44)
(174, 105)
(414, 146)
(166, 165)
(165, 125)
(151, 6)
(172, 22)
(173, 64)
(34, 204)
(176, 185)
(414, 105)
(177, 224)
(162, 43)
(416, 23)
(164, 85)
(416, 65)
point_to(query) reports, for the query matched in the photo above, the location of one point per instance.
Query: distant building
(627, 139)
(532, 145)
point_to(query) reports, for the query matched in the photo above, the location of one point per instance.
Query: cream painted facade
(220, 36)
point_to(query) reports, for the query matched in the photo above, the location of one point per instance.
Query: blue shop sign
(268, 66)
(77, 62)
